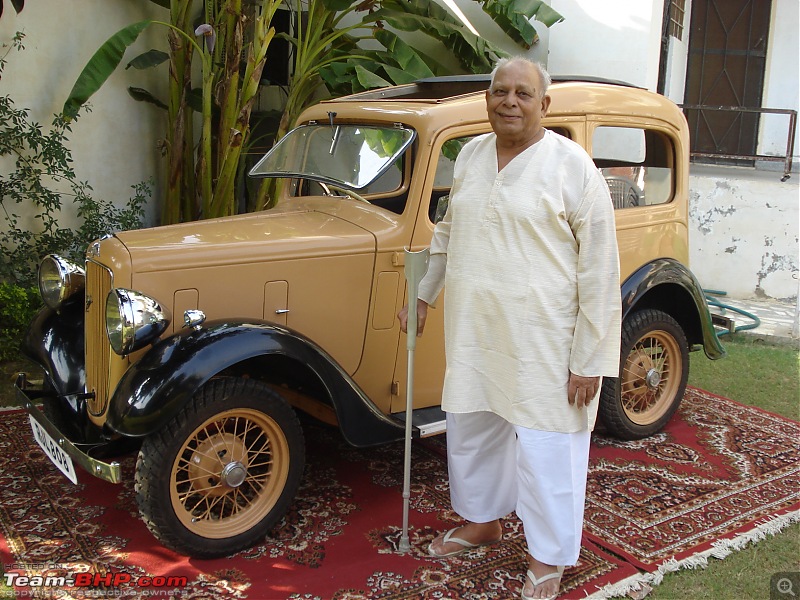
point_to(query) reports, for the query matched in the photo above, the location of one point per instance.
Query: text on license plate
(53, 451)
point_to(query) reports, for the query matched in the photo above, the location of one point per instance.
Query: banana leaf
(338, 5)
(337, 77)
(514, 16)
(147, 60)
(368, 80)
(475, 54)
(399, 76)
(142, 95)
(17, 4)
(543, 13)
(342, 77)
(403, 55)
(101, 66)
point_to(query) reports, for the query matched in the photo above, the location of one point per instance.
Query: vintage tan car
(202, 341)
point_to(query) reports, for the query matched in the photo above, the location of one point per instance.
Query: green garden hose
(755, 321)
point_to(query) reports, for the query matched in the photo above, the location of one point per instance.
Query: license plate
(53, 451)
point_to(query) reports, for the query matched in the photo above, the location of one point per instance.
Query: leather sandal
(465, 545)
(538, 581)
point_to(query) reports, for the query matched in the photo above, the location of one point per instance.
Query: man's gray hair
(544, 76)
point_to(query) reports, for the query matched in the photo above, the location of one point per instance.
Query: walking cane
(415, 269)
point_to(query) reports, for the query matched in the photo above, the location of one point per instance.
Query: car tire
(223, 471)
(654, 369)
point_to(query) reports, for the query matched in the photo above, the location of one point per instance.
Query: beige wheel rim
(651, 377)
(229, 473)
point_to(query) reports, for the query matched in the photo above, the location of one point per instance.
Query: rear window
(636, 163)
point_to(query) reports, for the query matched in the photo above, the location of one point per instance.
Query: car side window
(443, 178)
(637, 164)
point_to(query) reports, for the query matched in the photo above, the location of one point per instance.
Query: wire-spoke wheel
(654, 368)
(223, 472)
(226, 476)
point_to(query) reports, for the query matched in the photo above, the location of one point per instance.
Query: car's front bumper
(29, 398)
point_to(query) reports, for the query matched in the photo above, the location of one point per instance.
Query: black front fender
(154, 389)
(639, 290)
(55, 341)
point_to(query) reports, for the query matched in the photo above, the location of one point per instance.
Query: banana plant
(514, 17)
(18, 5)
(228, 89)
(327, 54)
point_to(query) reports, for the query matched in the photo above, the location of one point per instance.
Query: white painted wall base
(744, 227)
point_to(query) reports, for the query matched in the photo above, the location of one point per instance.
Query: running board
(427, 421)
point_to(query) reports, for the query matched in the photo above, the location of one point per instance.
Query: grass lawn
(753, 373)
(768, 377)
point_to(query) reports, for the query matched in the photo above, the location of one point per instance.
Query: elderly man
(528, 252)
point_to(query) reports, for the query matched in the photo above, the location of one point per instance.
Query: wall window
(677, 9)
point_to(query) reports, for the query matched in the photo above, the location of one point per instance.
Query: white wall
(615, 39)
(781, 86)
(114, 146)
(744, 227)
(677, 60)
(740, 240)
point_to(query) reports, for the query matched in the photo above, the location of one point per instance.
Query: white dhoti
(497, 468)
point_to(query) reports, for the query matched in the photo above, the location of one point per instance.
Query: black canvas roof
(449, 86)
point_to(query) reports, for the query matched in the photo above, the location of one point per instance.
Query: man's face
(515, 104)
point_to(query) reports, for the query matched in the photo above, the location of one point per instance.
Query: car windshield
(348, 155)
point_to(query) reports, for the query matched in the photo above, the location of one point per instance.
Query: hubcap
(234, 474)
(653, 379)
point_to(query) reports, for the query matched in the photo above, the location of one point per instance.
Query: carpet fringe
(637, 585)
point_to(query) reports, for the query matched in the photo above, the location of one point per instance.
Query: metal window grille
(718, 152)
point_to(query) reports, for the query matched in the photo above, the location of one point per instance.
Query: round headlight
(133, 320)
(59, 280)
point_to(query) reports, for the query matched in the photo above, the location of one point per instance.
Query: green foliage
(369, 69)
(514, 16)
(233, 41)
(32, 195)
(771, 374)
(101, 65)
(205, 180)
(475, 54)
(18, 5)
(17, 307)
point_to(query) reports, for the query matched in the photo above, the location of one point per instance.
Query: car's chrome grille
(98, 350)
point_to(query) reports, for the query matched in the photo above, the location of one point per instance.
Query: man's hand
(422, 314)
(581, 390)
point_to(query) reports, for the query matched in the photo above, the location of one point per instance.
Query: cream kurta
(529, 258)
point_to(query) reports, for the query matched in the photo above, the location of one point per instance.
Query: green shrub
(42, 175)
(18, 305)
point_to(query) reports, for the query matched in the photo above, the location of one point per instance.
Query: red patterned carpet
(719, 476)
